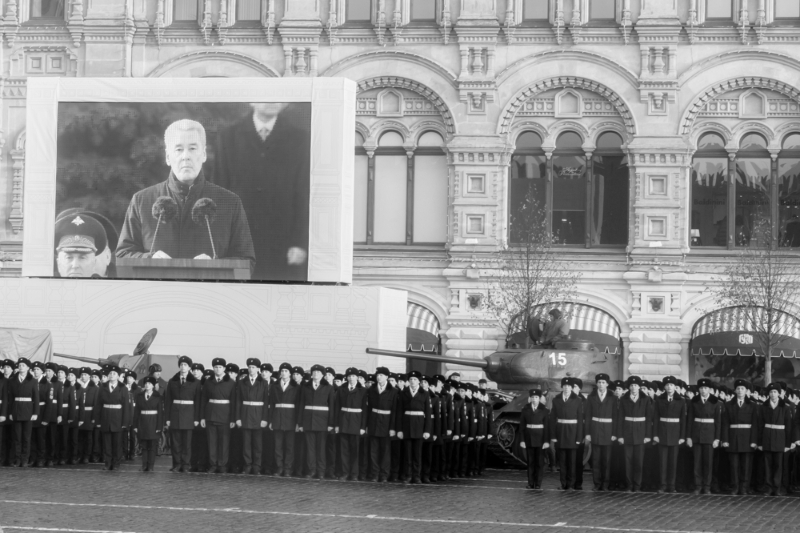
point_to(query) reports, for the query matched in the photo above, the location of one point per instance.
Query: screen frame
(333, 103)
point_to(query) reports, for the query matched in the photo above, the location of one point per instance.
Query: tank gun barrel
(98, 362)
(482, 364)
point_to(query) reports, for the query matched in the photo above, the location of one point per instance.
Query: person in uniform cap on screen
(79, 238)
(148, 419)
(182, 412)
(566, 431)
(703, 432)
(284, 401)
(601, 422)
(739, 436)
(669, 432)
(105, 264)
(185, 142)
(536, 437)
(318, 418)
(252, 415)
(265, 159)
(218, 415)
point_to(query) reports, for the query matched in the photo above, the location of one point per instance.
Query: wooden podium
(199, 269)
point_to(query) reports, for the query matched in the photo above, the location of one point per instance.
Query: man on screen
(265, 158)
(180, 236)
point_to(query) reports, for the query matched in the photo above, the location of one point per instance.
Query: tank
(516, 371)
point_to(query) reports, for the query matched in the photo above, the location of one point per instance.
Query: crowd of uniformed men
(381, 427)
(667, 436)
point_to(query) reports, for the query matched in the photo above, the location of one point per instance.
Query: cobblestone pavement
(87, 499)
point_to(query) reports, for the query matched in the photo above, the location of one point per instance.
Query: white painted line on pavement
(562, 525)
(65, 530)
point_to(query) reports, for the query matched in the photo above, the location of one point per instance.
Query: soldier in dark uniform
(267, 436)
(363, 441)
(112, 414)
(416, 424)
(739, 436)
(67, 377)
(148, 419)
(252, 415)
(284, 402)
(182, 412)
(351, 422)
(469, 426)
(4, 422)
(300, 460)
(577, 388)
(317, 408)
(382, 419)
(53, 411)
(161, 385)
(85, 396)
(128, 435)
(39, 440)
(600, 423)
(775, 437)
(459, 426)
(445, 430)
(333, 449)
(669, 432)
(199, 461)
(704, 428)
(535, 437)
(23, 410)
(635, 431)
(566, 431)
(427, 446)
(217, 405)
(235, 459)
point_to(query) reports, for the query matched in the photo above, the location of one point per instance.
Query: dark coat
(23, 398)
(669, 423)
(460, 423)
(415, 412)
(318, 407)
(148, 415)
(447, 414)
(54, 401)
(740, 426)
(469, 422)
(112, 408)
(436, 416)
(273, 179)
(161, 386)
(601, 418)
(3, 399)
(351, 410)
(535, 426)
(284, 406)
(381, 411)
(218, 400)
(635, 419)
(45, 401)
(132, 392)
(86, 398)
(569, 432)
(252, 402)
(704, 432)
(67, 403)
(182, 402)
(778, 437)
(182, 238)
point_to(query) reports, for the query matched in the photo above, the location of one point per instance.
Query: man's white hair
(184, 125)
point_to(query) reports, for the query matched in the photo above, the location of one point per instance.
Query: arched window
(610, 188)
(401, 199)
(358, 11)
(527, 177)
(789, 191)
(710, 192)
(568, 200)
(752, 189)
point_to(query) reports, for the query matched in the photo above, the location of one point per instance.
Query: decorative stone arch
(549, 142)
(784, 130)
(564, 55)
(761, 56)
(751, 126)
(222, 63)
(15, 218)
(393, 55)
(411, 85)
(521, 127)
(418, 129)
(604, 127)
(363, 130)
(388, 125)
(516, 103)
(696, 106)
(709, 127)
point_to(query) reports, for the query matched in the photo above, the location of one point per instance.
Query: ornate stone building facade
(648, 127)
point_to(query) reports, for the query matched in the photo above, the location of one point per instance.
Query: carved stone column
(300, 32)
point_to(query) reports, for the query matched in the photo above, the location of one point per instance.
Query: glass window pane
(47, 8)
(711, 141)
(789, 202)
(752, 201)
(535, 9)
(529, 140)
(610, 203)
(752, 141)
(360, 199)
(787, 9)
(423, 10)
(609, 141)
(569, 199)
(248, 9)
(430, 138)
(569, 141)
(526, 189)
(602, 9)
(359, 10)
(390, 198)
(391, 138)
(719, 9)
(185, 10)
(792, 142)
(430, 198)
(709, 202)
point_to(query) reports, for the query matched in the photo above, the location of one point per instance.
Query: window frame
(536, 21)
(783, 20)
(592, 20)
(707, 18)
(367, 22)
(425, 21)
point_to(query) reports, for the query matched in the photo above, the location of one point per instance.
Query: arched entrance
(725, 347)
(422, 336)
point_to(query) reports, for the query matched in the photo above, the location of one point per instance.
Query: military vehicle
(516, 370)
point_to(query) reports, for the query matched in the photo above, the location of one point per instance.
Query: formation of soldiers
(667, 436)
(353, 426)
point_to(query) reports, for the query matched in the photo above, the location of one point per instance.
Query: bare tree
(762, 281)
(529, 271)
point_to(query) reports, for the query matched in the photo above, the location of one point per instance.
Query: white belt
(415, 413)
(42, 403)
(741, 426)
(55, 401)
(254, 404)
(566, 421)
(535, 426)
(63, 405)
(317, 407)
(351, 410)
(87, 407)
(635, 419)
(219, 401)
(673, 420)
(382, 411)
(149, 412)
(285, 405)
(113, 406)
(704, 420)
(774, 426)
(23, 399)
(184, 402)
(604, 420)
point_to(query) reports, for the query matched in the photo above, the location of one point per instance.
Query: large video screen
(212, 186)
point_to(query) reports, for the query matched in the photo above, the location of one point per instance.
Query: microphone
(166, 209)
(205, 209)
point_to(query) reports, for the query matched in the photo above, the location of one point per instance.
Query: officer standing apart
(535, 437)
